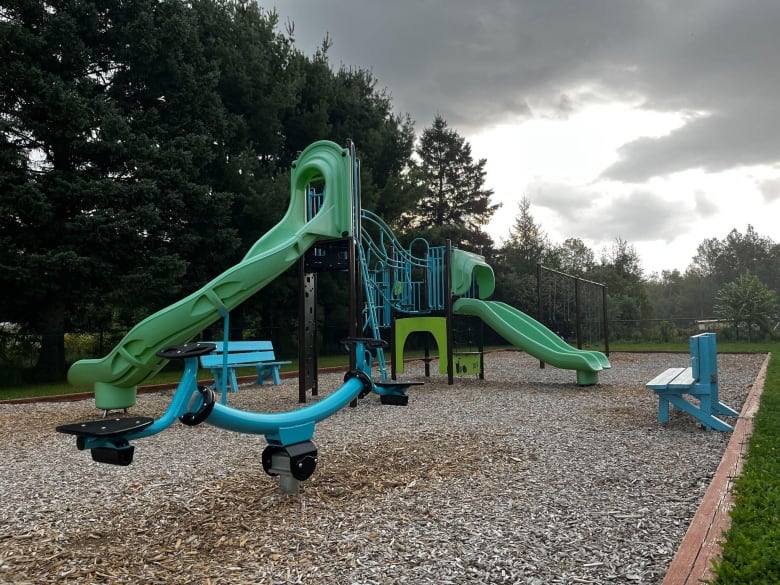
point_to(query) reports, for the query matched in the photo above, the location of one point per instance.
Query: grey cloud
(471, 61)
(712, 143)
(704, 206)
(640, 216)
(636, 216)
(568, 202)
(770, 190)
(490, 62)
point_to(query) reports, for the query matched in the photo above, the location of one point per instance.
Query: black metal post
(606, 321)
(307, 331)
(448, 309)
(577, 318)
(481, 326)
(539, 299)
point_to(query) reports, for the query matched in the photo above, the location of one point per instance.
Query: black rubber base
(394, 399)
(112, 427)
(119, 456)
(298, 460)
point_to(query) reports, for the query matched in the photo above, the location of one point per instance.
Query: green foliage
(748, 303)
(527, 244)
(751, 552)
(515, 265)
(145, 145)
(572, 257)
(455, 193)
(112, 115)
(676, 296)
(17, 351)
(718, 262)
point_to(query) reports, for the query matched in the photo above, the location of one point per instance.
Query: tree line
(146, 144)
(735, 281)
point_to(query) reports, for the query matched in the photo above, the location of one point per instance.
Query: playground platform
(520, 477)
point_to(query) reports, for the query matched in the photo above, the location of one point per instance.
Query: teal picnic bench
(241, 354)
(700, 381)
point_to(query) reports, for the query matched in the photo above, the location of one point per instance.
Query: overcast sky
(654, 121)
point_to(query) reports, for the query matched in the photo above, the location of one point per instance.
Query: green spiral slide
(116, 376)
(528, 334)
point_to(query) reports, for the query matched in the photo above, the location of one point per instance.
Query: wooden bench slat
(684, 381)
(236, 346)
(236, 359)
(662, 380)
(259, 354)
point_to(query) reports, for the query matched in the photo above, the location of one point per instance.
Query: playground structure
(324, 228)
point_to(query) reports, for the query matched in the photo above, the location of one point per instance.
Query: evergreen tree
(629, 306)
(455, 195)
(515, 266)
(118, 147)
(528, 244)
(55, 239)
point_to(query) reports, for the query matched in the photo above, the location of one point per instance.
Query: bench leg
(710, 422)
(233, 380)
(262, 375)
(663, 410)
(264, 371)
(216, 373)
(705, 404)
(720, 408)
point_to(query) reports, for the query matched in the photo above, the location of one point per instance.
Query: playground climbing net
(572, 306)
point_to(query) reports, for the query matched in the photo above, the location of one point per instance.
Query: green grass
(170, 375)
(723, 346)
(173, 373)
(751, 552)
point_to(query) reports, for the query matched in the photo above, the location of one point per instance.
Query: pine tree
(455, 194)
(53, 77)
(109, 124)
(516, 263)
(527, 244)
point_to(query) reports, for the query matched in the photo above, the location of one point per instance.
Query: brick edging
(692, 564)
(150, 389)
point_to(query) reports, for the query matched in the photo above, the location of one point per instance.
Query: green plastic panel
(436, 326)
(528, 334)
(464, 266)
(133, 360)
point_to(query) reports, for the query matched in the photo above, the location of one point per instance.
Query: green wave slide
(116, 376)
(528, 334)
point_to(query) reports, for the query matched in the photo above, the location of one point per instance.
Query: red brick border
(154, 388)
(692, 564)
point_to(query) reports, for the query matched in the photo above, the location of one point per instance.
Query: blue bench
(700, 381)
(241, 354)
